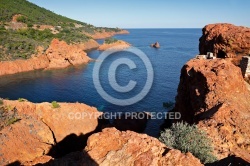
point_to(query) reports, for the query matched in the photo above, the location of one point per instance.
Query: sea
(152, 77)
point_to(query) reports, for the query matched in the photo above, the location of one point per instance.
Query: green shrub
(110, 40)
(168, 104)
(188, 138)
(30, 25)
(55, 104)
(12, 121)
(1, 101)
(22, 100)
(22, 19)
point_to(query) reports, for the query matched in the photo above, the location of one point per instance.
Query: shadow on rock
(73, 143)
(75, 158)
(135, 121)
(231, 160)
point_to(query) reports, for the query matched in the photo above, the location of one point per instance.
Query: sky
(152, 13)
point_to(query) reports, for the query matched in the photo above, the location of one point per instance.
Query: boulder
(113, 147)
(225, 41)
(45, 130)
(213, 94)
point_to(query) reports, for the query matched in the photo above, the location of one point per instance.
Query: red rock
(113, 147)
(62, 55)
(24, 140)
(41, 127)
(213, 94)
(225, 40)
(58, 55)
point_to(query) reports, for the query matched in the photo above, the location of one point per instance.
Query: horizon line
(161, 28)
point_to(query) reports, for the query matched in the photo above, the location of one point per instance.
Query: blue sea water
(76, 84)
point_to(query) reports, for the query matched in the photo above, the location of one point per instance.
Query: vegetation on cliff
(25, 26)
(110, 40)
(188, 138)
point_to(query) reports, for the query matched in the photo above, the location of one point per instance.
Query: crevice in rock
(221, 54)
(67, 59)
(53, 134)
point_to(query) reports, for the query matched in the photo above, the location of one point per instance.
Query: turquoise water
(76, 84)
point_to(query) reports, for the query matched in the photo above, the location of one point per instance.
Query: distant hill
(24, 26)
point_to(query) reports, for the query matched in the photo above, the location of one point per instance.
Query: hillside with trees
(24, 26)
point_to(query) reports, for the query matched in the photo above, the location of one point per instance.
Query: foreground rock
(113, 147)
(225, 40)
(213, 94)
(58, 55)
(42, 130)
(118, 45)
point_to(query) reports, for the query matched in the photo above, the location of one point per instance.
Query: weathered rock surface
(58, 55)
(42, 129)
(113, 147)
(62, 55)
(225, 40)
(119, 45)
(213, 94)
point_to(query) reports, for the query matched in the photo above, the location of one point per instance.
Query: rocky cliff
(225, 40)
(58, 55)
(213, 94)
(29, 131)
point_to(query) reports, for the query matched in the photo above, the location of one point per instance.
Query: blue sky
(152, 13)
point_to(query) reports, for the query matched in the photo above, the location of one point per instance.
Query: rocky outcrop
(213, 94)
(156, 45)
(225, 40)
(17, 66)
(62, 55)
(42, 130)
(113, 147)
(89, 45)
(104, 34)
(58, 136)
(58, 55)
(118, 45)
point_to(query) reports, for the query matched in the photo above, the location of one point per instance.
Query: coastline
(60, 59)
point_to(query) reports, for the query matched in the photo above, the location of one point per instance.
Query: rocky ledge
(225, 41)
(213, 94)
(118, 45)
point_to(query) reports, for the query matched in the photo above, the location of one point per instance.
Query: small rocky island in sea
(213, 99)
(156, 45)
